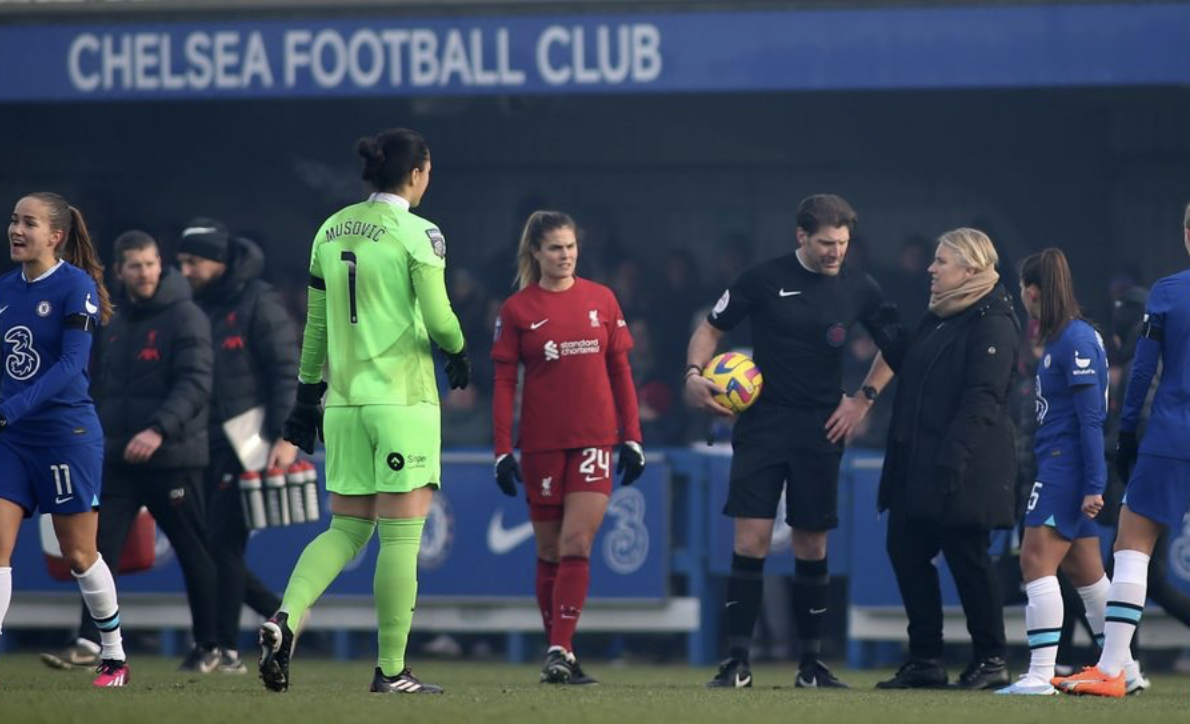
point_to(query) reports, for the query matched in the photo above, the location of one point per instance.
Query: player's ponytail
(77, 248)
(1050, 273)
(537, 226)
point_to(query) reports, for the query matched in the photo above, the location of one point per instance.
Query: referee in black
(801, 306)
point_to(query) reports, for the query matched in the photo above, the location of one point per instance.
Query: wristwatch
(870, 392)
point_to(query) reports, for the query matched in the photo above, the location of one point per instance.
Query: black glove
(632, 462)
(946, 481)
(1127, 448)
(458, 369)
(508, 472)
(304, 422)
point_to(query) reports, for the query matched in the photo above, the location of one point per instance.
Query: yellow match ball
(739, 376)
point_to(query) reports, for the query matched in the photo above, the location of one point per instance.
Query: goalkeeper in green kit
(377, 298)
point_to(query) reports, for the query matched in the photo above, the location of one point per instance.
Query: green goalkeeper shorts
(382, 448)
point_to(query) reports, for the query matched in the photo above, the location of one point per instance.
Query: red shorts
(551, 476)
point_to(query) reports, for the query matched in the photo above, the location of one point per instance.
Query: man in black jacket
(152, 390)
(255, 343)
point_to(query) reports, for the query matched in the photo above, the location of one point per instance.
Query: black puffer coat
(256, 353)
(950, 456)
(153, 369)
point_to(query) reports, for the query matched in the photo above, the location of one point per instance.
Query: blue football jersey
(46, 326)
(1070, 363)
(1166, 338)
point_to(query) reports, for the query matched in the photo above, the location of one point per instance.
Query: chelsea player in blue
(1158, 492)
(51, 444)
(1060, 530)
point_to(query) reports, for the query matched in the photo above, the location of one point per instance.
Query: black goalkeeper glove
(458, 369)
(632, 462)
(1127, 449)
(304, 423)
(508, 472)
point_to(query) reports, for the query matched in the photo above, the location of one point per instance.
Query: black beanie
(205, 237)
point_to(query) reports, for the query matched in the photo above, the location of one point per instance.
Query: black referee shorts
(775, 449)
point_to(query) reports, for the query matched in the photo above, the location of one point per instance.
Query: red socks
(547, 576)
(570, 592)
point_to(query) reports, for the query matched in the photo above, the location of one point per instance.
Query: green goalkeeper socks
(395, 588)
(321, 562)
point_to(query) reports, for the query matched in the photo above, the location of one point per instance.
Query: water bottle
(295, 481)
(252, 500)
(310, 486)
(276, 502)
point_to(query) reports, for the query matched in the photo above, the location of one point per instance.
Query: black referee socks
(811, 589)
(744, 589)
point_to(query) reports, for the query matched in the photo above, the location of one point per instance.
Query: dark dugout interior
(1103, 173)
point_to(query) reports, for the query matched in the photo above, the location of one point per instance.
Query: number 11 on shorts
(62, 480)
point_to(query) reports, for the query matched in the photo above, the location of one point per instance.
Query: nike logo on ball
(783, 293)
(535, 325)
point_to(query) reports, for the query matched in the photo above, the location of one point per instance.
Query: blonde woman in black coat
(950, 462)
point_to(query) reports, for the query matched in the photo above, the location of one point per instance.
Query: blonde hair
(972, 248)
(537, 226)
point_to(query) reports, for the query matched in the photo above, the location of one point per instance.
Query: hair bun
(370, 149)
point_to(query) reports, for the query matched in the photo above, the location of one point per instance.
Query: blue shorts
(58, 480)
(1058, 503)
(1159, 489)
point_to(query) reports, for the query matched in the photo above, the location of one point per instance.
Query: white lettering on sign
(329, 58)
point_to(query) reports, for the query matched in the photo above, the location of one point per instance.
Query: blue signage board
(898, 48)
(477, 544)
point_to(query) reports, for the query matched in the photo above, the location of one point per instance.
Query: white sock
(1125, 604)
(5, 593)
(1095, 603)
(1043, 623)
(99, 593)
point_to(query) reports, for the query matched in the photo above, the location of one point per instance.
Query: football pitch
(493, 693)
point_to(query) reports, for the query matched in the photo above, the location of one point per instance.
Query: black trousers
(174, 497)
(227, 539)
(912, 544)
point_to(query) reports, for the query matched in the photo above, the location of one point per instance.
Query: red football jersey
(565, 341)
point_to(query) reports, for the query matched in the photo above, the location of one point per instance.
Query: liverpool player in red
(578, 402)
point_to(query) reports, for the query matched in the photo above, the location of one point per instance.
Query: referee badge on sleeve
(438, 242)
(721, 305)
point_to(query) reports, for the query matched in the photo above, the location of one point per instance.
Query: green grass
(325, 691)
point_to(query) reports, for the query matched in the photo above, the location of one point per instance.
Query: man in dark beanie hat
(256, 352)
(206, 238)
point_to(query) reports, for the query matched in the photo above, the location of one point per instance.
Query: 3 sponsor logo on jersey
(22, 360)
(44, 308)
(555, 351)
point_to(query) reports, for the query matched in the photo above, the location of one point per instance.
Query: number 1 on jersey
(349, 258)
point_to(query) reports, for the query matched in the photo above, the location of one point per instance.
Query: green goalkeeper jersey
(377, 297)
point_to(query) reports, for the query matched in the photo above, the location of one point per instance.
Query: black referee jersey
(800, 321)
